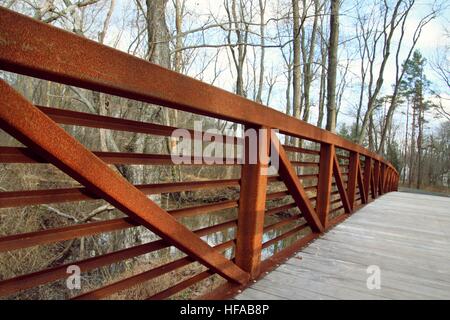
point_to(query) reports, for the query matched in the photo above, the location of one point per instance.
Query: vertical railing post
(388, 177)
(340, 186)
(388, 174)
(382, 178)
(367, 175)
(252, 204)
(324, 183)
(394, 178)
(362, 191)
(397, 178)
(390, 180)
(376, 177)
(352, 177)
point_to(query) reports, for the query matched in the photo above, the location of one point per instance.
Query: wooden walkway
(406, 235)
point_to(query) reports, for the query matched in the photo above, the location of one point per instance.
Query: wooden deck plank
(298, 287)
(406, 281)
(286, 288)
(293, 282)
(255, 294)
(406, 235)
(407, 240)
(391, 259)
(344, 286)
(366, 242)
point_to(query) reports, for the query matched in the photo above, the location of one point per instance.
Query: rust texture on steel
(352, 178)
(33, 197)
(324, 182)
(34, 279)
(252, 205)
(24, 155)
(382, 178)
(340, 185)
(295, 188)
(51, 235)
(376, 178)
(35, 49)
(367, 176)
(362, 191)
(33, 128)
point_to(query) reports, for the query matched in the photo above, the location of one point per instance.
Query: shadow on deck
(406, 235)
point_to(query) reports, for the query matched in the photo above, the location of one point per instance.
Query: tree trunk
(371, 133)
(262, 7)
(159, 53)
(323, 77)
(308, 73)
(406, 142)
(332, 66)
(420, 121)
(412, 152)
(288, 98)
(296, 73)
(157, 33)
(371, 104)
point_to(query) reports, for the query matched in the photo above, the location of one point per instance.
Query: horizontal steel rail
(30, 280)
(24, 155)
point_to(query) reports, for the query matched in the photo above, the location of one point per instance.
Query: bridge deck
(406, 235)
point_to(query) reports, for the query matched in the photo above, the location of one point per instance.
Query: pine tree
(413, 88)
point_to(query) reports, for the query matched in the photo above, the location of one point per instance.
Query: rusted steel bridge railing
(343, 176)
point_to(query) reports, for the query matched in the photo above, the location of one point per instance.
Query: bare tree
(391, 20)
(323, 72)
(158, 51)
(237, 21)
(262, 9)
(296, 70)
(308, 57)
(400, 72)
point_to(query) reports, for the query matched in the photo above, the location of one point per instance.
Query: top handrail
(43, 54)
